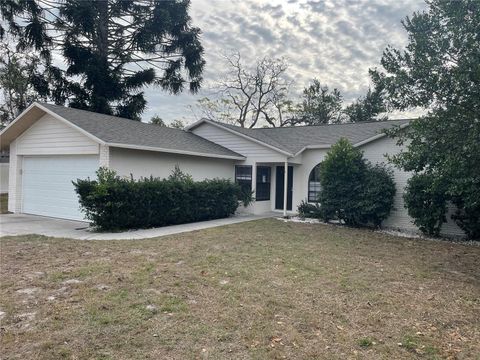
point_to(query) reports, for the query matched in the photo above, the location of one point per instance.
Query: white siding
(149, 163)
(49, 136)
(14, 180)
(375, 152)
(4, 177)
(237, 143)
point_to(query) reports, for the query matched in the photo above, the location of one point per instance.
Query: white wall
(141, 163)
(4, 177)
(49, 136)
(237, 143)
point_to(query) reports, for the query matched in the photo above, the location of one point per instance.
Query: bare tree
(251, 97)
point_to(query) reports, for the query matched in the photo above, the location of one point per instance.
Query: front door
(280, 180)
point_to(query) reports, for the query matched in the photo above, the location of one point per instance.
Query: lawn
(258, 290)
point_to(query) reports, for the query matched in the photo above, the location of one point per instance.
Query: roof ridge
(341, 124)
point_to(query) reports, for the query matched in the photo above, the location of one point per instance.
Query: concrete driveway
(21, 224)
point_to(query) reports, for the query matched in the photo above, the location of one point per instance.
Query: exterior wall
(374, 152)
(49, 136)
(141, 163)
(250, 149)
(256, 154)
(4, 177)
(104, 157)
(14, 180)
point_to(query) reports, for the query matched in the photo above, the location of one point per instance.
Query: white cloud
(336, 41)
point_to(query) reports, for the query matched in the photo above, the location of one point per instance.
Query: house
(52, 145)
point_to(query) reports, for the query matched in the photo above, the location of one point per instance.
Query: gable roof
(120, 132)
(296, 139)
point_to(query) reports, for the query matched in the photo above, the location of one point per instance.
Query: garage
(47, 184)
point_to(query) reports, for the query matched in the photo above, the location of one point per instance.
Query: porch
(270, 183)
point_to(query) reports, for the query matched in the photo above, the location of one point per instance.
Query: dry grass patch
(263, 289)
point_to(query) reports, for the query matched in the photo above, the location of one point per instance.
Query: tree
(18, 72)
(439, 71)
(177, 124)
(250, 97)
(319, 105)
(367, 108)
(112, 49)
(353, 190)
(157, 120)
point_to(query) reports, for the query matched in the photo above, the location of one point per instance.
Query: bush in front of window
(352, 190)
(114, 203)
(308, 210)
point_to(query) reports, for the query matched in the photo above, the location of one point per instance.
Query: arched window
(314, 184)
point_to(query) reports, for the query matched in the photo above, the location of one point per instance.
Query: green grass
(258, 290)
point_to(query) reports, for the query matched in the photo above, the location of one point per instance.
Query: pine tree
(112, 49)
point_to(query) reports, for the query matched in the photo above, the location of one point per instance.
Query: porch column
(285, 189)
(254, 179)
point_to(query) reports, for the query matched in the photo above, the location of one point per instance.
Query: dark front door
(280, 180)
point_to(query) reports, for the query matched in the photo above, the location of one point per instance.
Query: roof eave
(20, 130)
(174, 151)
(378, 136)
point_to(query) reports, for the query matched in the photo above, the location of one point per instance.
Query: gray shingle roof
(293, 139)
(112, 129)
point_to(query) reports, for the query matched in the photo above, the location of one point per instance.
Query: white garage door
(47, 184)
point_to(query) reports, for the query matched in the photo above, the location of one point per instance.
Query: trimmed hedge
(114, 203)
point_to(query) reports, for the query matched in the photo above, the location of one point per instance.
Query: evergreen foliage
(115, 203)
(113, 49)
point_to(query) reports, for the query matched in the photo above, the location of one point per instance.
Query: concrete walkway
(21, 224)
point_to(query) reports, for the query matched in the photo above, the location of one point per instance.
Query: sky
(335, 41)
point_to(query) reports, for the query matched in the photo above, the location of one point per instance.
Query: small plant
(365, 343)
(308, 210)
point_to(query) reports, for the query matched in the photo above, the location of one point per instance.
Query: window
(263, 183)
(314, 186)
(243, 177)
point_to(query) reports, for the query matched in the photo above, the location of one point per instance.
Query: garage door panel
(47, 184)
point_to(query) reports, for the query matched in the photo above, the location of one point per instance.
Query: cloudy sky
(335, 41)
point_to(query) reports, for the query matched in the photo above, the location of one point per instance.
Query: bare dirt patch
(262, 289)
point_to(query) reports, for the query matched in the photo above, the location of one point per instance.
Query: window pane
(243, 172)
(243, 177)
(263, 183)
(314, 185)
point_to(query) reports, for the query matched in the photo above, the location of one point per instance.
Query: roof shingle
(116, 130)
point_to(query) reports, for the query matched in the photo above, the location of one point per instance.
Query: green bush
(377, 195)
(353, 190)
(114, 203)
(308, 210)
(426, 203)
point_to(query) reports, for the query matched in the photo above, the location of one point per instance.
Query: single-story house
(52, 145)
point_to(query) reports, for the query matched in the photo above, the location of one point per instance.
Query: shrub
(353, 190)
(308, 210)
(426, 203)
(377, 196)
(114, 203)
